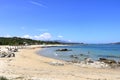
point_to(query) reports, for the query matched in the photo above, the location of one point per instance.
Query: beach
(28, 65)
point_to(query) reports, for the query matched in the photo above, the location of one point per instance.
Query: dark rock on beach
(7, 55)
(56, 63)
(88, 60)
(107, 61)
(118, 62)
(10, 55)
(3, 55)
(75, 61)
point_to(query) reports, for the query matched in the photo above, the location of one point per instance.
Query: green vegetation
(23, 41)
(3, 78)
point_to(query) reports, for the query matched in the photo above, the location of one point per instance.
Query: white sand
(27, 65)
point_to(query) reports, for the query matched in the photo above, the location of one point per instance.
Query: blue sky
(89, 21)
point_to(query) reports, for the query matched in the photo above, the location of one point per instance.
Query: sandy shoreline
(27, 65)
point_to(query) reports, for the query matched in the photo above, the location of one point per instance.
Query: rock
(7, 55)
(56, 63)
(14, 50)
(75, 61)
(111, 63)
(63, 50)
(84, 55)
(108, 61)
(102, 59)
(109, 56)
(3, 54)
(10, 55)
(95, 64)
(118, 62)
(88, 60)
(74, 56)
(98, 64)
(81, 55)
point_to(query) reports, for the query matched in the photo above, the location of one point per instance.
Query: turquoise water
(94, 51)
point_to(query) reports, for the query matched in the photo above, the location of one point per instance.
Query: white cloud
(38, 4)
(69, 40)
(44, 36)
(27, 36)
(60, 36)
(7, 35)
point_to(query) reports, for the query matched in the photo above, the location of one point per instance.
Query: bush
(3, 78)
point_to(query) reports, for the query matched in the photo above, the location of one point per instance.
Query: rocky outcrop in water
(63, 50)
(108, 56)
(74, 56)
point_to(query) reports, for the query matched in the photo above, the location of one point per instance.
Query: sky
(88, 21)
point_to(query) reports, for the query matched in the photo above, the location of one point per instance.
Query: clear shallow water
(94, 51)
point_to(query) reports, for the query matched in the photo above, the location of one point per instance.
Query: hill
(23, 41)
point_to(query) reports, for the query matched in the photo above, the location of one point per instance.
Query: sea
(80, 52)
